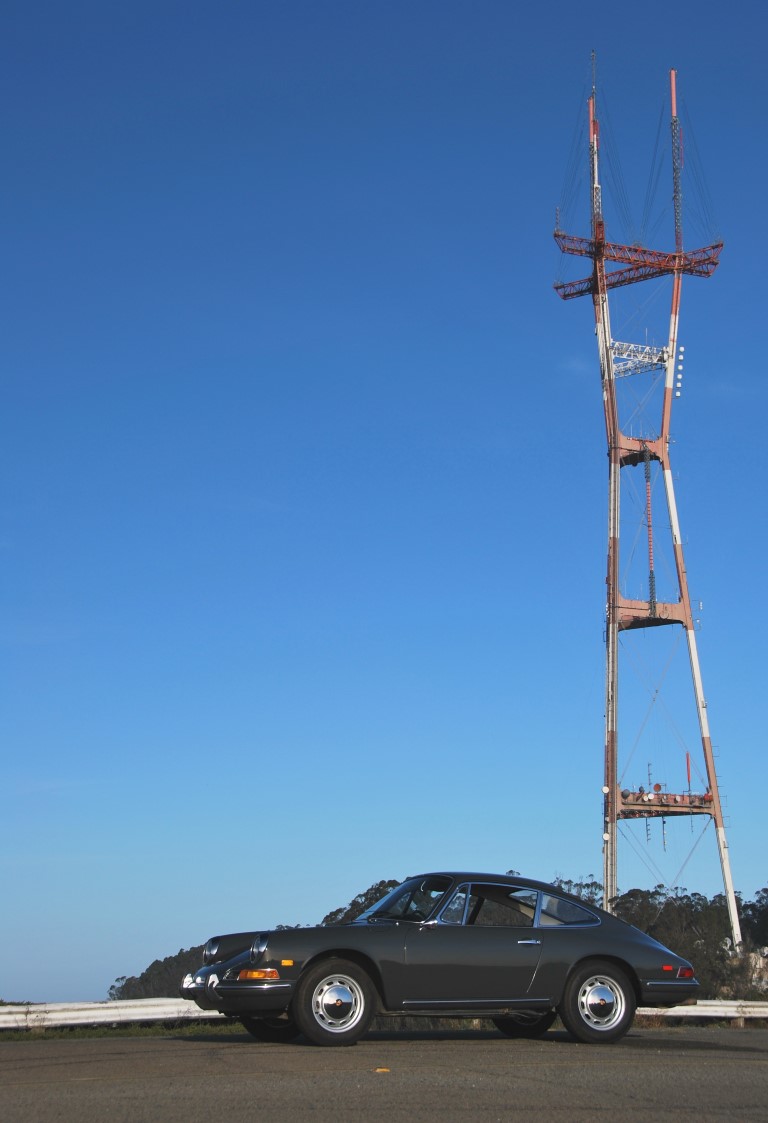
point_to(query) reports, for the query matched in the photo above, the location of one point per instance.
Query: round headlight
(259, 946)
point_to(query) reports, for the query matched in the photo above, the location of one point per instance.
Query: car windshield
(415, 899)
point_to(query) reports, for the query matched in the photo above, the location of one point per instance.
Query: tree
(755, 917)
(359, 903)
(116, 990)
(161, 979)
(588, 888)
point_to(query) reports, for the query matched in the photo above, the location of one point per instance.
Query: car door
(481, 951)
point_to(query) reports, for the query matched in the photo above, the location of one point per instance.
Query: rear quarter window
(556, 912)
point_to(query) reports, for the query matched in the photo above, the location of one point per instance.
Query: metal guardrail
(50, 1015)
(727, 1009)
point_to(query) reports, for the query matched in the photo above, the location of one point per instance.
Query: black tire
(526, 1023)
(335, 1002)
(271, 1029)
(598, 1004)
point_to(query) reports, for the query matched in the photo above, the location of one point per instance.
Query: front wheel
(334, 1003)
(271, 1029)
(598, 1004)
(526, 1023)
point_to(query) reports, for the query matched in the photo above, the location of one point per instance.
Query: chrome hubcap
(337, 1003)
(601, 1002)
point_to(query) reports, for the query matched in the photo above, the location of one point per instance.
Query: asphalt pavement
(699, 1073)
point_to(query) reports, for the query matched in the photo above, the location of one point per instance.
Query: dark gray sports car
(456, 944)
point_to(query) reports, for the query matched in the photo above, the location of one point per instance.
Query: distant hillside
(161, 979)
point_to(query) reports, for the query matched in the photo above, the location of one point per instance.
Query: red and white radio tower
(618, 360)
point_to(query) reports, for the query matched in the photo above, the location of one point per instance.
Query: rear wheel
(335, 1003)
(271, 1029)
(598, 1004)
(526, 1023)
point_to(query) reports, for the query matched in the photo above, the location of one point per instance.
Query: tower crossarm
(632, 614)
(642, 804)
(636, 358)
(642, 264)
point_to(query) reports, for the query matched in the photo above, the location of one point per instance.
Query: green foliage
(755, 918)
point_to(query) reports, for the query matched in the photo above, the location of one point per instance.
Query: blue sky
(303, 462)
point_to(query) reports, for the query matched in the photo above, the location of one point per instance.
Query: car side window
(453, 913)
(496, 906)
(556, 912)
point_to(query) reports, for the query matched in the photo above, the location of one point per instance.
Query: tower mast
(624, 451)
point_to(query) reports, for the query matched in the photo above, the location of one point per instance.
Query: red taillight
(682, 972)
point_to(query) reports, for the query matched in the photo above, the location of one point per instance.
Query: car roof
(527, 883)
(503, 878)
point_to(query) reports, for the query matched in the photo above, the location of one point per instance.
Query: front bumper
(207, 991)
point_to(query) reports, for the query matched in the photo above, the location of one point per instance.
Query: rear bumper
(665, 992)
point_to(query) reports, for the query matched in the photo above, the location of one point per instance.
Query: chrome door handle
(529, 941)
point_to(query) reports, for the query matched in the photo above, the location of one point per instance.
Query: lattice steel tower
(624, 614)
